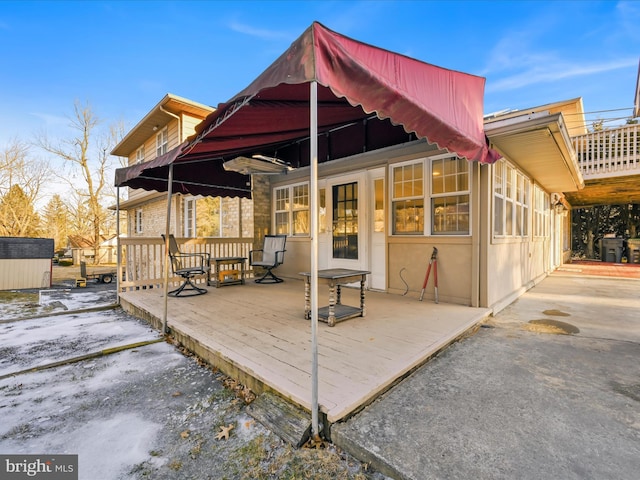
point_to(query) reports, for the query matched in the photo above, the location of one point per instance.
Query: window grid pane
(451, 215)
(408, 216)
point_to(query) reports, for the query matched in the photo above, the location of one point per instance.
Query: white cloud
(262, 33)
(546, 72)
(51, 120)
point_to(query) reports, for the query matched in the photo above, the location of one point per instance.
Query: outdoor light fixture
(257, 164)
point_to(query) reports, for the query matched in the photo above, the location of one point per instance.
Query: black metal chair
(187, 266)
(269, 257)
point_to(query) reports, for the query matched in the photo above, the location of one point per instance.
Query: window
(450, 196)
(541, 212)
(498, 198)
(292, 215)
(300, 204)
(378, 205)
(408, 199)
(140, 155)
(190, 217)
(138, 225)
(511, 201)
(447, 197)
(522, 205)
(322, 210)
(162, 140)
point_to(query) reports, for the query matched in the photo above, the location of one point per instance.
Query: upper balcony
(609, 153)
(609, 161)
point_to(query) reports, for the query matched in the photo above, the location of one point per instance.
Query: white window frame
(542, 205)
(289, 201)
(419, 192)
(138, 221)
(162, 141)
(409, 190)
(140, 154)
(459, 192)
(189, 215)
(511, 190)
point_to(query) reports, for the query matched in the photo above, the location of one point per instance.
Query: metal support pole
(166, 249)
(315, 431)
(118, 247)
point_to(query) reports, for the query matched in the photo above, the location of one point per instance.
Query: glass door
(345, 221)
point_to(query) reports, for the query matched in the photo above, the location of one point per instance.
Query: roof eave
(540, 145)
(157, 118)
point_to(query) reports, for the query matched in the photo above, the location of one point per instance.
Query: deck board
(261, 330)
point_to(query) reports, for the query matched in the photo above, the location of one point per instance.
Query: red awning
(195, 178)
(380, 97)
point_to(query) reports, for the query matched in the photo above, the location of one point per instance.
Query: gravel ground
(149, 412)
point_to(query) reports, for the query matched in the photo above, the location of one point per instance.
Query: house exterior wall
(233, 218)
(478, 269)
(509, 265)
(154, 218)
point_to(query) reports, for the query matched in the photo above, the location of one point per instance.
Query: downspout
(168, 225)
(179, 119)
(476, 236)
(179, 122)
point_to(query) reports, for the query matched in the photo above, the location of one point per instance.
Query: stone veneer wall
(154, 218)
(261, 194)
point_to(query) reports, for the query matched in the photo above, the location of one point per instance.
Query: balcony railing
(142, 258)
(609, 153)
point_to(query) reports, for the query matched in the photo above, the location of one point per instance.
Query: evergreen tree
(56, 221)
(18, 217)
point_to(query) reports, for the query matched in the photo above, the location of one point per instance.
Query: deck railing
(142, 258)
(609, 153)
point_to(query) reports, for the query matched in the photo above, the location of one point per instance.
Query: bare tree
(21, 180)
(86, 155)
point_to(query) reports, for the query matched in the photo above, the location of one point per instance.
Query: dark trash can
(633, 245)
(612, 249)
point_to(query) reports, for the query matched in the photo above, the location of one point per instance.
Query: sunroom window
(292, 216)
(511, 201)
(408, 199)
(450, 196)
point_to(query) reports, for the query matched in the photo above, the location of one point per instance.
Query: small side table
(235, 275)
(334, 278)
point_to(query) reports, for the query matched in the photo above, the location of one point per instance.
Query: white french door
(346, 245)
(377, 229)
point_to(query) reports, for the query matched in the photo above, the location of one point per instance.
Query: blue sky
(123, 57)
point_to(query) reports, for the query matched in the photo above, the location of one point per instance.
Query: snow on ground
(39, 341)
(145, 412)
(124, 414)
(28, 303)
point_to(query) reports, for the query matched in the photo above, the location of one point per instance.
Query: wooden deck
(257, 333)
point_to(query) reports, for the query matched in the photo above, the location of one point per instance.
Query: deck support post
(313, 280)
(166, 249)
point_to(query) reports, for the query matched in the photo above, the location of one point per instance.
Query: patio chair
(269, 257)
(187, 266)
